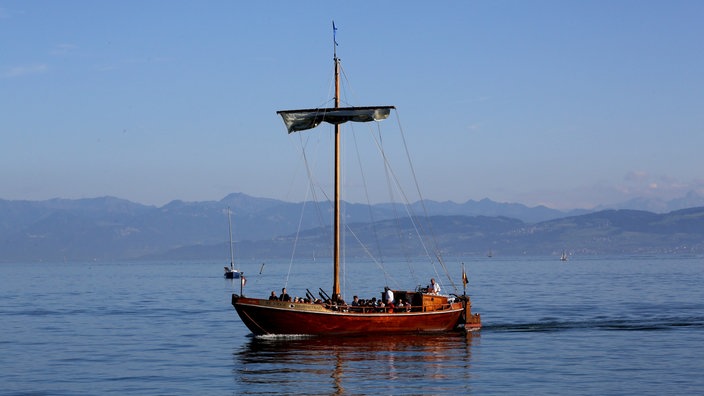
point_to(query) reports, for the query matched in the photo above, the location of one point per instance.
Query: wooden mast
(336, 220)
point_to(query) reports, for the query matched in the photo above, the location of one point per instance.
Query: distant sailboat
(563, 257)
(231, 272)
(424, 310)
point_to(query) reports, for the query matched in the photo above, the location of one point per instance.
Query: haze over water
(589, 326)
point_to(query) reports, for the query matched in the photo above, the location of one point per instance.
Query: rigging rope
(420, 224)
(371, 212)
(425, 209)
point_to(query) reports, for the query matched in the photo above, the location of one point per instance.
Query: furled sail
(300, 120)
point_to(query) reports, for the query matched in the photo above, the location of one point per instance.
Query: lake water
(608, 325)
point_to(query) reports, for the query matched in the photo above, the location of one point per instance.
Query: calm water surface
(604, 325)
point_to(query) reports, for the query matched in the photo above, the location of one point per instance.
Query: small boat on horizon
(231, 272)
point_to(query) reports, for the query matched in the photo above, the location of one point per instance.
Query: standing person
(284, 296)
(433, 288)
(389, 295)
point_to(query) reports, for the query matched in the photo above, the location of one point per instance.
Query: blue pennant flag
(334, 33)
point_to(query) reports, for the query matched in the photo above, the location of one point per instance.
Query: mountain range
(109, 228)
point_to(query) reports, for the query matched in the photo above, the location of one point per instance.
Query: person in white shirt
(433, 288)
(389, 296)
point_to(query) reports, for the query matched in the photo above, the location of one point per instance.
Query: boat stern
(469, 321)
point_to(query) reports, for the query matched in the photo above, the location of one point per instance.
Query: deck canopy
(300, 120)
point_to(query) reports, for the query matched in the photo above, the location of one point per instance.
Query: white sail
(300, 120)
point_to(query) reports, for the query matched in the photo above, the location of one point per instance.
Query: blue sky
(563, 103)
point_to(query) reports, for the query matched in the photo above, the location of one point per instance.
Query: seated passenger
(401, 306)
(273, 296)
(381, 307)
(433, 288)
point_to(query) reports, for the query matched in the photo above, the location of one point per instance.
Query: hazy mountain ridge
(109, 228)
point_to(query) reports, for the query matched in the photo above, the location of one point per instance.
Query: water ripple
(667, 323)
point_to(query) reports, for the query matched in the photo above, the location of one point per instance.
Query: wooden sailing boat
(231, 272)
(425, 311)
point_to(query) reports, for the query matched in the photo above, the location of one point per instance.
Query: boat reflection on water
(341, 365)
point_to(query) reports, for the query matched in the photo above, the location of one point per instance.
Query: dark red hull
(277, 317)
